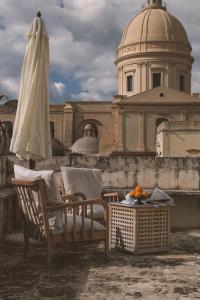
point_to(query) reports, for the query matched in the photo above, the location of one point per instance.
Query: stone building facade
(178, 139)
(154, 64)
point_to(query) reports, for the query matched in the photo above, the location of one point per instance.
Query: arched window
(156, 79)
(182, 83)
(129, 83)
(79, 130)
(52, 128)
(8, 125)
(8, 131)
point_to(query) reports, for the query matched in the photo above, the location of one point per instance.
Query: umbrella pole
(31, 163)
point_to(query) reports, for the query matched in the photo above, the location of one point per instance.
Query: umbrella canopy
(31, 133)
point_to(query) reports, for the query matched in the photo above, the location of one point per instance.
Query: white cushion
(86, 181)
(57, 228)
(98, 212)
(52, 190)
(58, 177)
(48, 176)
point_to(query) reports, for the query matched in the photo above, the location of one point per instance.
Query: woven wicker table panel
(140, 229)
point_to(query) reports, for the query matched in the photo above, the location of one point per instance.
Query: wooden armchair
(72, 221)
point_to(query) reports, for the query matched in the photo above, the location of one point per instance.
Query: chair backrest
(32, 201)
(82, 180)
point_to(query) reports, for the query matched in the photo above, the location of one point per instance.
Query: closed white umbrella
(31, 133)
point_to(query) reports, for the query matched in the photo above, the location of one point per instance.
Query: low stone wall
(179, 176)
(123, 172)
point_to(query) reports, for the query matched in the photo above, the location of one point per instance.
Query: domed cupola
(154, 51)
(155, 4)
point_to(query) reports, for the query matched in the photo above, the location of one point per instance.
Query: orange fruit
(138, 189)
(146, 194)
(138, 194)
(132, 194)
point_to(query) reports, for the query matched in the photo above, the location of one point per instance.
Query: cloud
(57, 92)
(98, 82)
(9, 86)
(87, 9)
(84, 35)
(60, 87)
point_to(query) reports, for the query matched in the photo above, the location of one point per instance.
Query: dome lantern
(154, 4)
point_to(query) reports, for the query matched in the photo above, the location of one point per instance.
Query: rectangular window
(182, 83)
(156, 79)
(129, 83)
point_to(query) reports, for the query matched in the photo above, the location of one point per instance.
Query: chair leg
(26, 243)
(49, 253)
(106, 250)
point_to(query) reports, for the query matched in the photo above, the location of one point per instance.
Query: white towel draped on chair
(86, 181)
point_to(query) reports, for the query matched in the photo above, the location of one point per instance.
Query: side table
(140, 229)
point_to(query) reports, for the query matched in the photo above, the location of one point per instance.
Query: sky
(83, 37)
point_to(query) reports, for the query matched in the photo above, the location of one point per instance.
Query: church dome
(89, 143)
(86, 145)
(154, 51)
(154, 24)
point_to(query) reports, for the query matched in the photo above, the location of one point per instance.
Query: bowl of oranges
(138, 194)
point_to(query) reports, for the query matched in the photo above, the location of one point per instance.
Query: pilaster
(141, 146)
(119, 120)
(68, 126)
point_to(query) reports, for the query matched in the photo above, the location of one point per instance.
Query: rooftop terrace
(79, 272)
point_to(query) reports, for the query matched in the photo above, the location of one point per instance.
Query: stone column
(147, 78)
(68, 126)
(118, 121)
(141, 146)
(143, 77)
(120, 130)
(139, 67)
(120, 80)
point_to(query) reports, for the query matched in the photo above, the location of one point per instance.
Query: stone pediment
(159, 95)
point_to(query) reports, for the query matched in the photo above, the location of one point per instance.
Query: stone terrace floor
(79, 272)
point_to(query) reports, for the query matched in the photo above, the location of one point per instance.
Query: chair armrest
(113, 197)
(88, 202)
(51, 206)
(59, 206)
(73, 197)
(67, 198)
(114, 194)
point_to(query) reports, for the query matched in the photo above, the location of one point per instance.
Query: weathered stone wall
(123, 172)
(179, 176)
